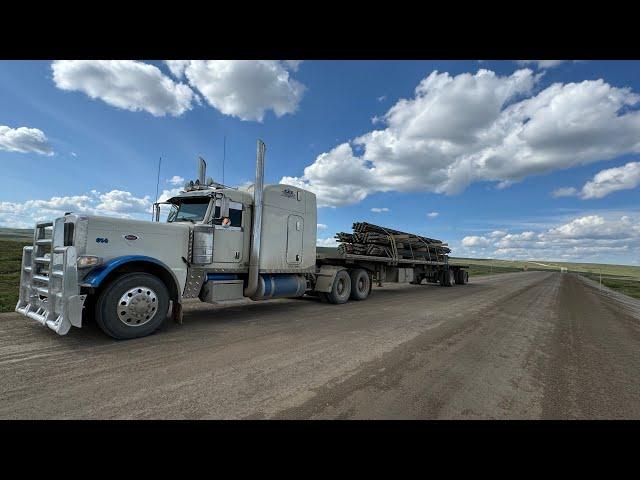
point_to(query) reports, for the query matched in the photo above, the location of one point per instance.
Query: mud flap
(176, 312)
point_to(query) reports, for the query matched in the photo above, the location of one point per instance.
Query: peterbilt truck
(218, 244)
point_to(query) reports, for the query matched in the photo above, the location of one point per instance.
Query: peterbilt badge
(287, 192)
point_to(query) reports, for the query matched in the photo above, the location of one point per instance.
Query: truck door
(228, 241)
(295, 229)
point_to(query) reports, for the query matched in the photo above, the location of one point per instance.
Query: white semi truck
(219, 244)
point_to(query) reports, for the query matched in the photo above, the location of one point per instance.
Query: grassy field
(10, 260)
(479, 269)
(628, 286)
(19, 234)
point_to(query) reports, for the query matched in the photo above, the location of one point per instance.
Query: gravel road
(511, 346)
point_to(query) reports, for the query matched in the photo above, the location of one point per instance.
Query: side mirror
(224, 207)
(223, 204)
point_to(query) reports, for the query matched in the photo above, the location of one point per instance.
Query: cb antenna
(224, 155)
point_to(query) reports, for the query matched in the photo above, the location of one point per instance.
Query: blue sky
(481, 145)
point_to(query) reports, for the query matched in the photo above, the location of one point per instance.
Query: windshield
(190, 210)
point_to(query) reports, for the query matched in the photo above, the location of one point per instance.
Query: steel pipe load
(374, 240)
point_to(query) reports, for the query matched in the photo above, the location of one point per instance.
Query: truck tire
(462, 277)
(447, 278)
(341, 289)
(132, 306)
(360, 284)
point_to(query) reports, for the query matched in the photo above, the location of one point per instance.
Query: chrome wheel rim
(137, 306)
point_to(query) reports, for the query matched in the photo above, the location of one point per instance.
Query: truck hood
(109, 237)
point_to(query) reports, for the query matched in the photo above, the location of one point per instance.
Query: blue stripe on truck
(95, 277)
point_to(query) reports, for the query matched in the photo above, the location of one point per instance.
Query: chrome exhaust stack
(254, 260)
(202, 170)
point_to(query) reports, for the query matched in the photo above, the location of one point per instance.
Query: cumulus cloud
(24, 140)
(322, 226)
(475, 241)
(379, 210)
(126, 84)
(167, 194)
(467, 128)
(611, 180)
(246, 89)
(588, 237)
(605, 182)
(433, 214)
(541, 64)
(176, 180)
(565, 192)
(326, 242)
(123, 202)
(117, 203)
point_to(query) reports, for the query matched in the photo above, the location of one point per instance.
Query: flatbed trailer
(364, 270)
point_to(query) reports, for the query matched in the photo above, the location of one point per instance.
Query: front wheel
(132, 306)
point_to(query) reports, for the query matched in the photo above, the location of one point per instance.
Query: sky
(501, 159)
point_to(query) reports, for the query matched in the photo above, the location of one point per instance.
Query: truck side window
(235, 215)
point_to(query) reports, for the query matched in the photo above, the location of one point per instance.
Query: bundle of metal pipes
(370, 239)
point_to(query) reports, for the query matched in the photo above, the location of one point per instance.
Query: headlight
(88, 261)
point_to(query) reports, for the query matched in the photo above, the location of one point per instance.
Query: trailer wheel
(447, 278)
(462, 277)
(360, 284)
(341, 289)
(132, 306)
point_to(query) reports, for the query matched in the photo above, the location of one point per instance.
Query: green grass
(477, 270)
(628, 286)
(19, 234)
(10, 261)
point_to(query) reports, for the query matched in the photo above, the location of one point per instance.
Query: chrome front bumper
(49, 291)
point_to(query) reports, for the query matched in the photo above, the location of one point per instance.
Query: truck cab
(225, 213)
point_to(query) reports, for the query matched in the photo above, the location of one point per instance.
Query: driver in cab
(224, 222)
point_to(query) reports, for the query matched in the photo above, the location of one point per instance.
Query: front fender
(95, 277)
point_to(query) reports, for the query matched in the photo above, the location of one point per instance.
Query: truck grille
(49, 291)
